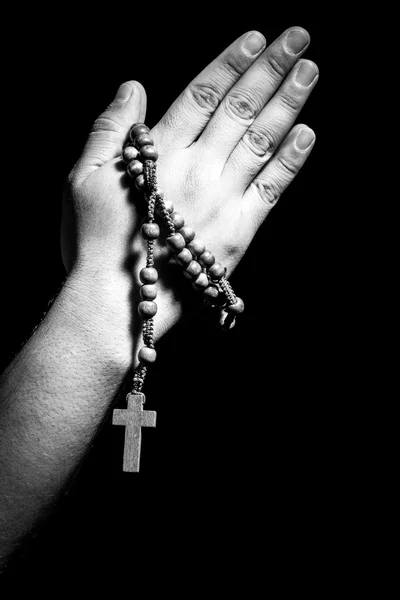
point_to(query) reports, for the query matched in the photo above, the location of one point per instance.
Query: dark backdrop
(236, 466)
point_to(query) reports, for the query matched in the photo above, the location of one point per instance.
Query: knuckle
(277, 65)
(241, 105)
(234, 65)
(287, 166)
(106, 123)
(269, 191)
(261, 141)
(234, 246)
(204, 96)
(289, 100)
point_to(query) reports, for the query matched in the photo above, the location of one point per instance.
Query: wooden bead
(196, 247)
(177, 220)
(237, 307)
(148, 153)
(148, 292)
(227, 321)
(147, 309)
(193, 270)
(147, 355)
(216, 271)
(148, 275)
(135, 168)
(176, 242)
(143, 140)
(201, 282)
(140, 182)
(184, 257)
(188, 234)
(206, 259)
(137, 129)
(211, 293)
(129, 153)
(150, 231)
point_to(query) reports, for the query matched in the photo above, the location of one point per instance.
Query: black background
(233, 479)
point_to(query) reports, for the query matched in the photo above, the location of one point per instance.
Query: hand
(227, 152)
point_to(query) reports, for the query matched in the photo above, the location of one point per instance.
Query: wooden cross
(134, 418)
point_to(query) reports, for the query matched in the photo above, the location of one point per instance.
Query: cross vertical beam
(133, 418)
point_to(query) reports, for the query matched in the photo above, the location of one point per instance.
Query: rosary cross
(133, 418)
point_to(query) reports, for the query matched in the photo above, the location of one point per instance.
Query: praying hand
(227, 150)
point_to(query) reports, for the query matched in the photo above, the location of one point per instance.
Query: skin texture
(228, 149)
(227, 152)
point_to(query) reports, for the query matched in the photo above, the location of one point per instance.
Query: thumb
(111, 128)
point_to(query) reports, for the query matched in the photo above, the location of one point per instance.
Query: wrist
(97, 306)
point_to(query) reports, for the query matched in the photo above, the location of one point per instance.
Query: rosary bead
(148, 292)
(227, 321)
(193, 270)
(177, 220)
(143, 140)
(207, 259)
(147, 309)
(184, 257)
(211, 293)
(216, 271)
(196, 247)
(135, 168)
(148, 153)
(188, 234)
(176, 242)
(237, 307)
(147, 355)
(201, 283)
(148, 275)
(150, 231)
(140, 182)
(137, 129)
(129, 153)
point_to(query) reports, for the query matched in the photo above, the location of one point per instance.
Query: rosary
(199, 266)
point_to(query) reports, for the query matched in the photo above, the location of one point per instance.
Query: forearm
(53, 397)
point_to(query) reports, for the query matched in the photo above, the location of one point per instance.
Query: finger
(190, 113)
(110, 129)
(249, 95)
(270, 127)
(266, 189)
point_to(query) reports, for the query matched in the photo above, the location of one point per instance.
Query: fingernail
(296, 41)
(254, 43)
(124, 92)
(305, 139)
(306, 74)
